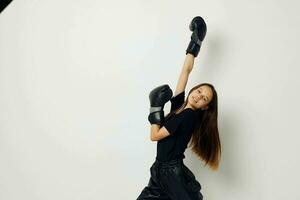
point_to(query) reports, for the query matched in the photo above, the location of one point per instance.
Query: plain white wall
(74, 83)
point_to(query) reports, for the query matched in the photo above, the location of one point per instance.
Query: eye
(205, 99)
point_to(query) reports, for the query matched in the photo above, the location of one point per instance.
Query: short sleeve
(177, 101)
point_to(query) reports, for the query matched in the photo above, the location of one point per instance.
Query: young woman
(193, 119)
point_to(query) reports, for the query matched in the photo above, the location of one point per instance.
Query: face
(200, 97)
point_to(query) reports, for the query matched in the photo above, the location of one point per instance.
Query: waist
(170, 163)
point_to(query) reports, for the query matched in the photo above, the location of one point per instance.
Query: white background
(74, 83)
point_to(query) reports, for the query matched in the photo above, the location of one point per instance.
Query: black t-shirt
(180, 127)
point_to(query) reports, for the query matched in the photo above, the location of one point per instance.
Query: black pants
(171, 180)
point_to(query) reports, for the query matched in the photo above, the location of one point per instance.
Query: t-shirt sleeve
(186, 123)
(177, 101)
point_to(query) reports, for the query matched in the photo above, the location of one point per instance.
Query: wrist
(156, 117)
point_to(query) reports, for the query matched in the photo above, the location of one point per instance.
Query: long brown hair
(205, 139)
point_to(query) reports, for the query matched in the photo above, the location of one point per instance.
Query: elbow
(152, 139)
(154, 133)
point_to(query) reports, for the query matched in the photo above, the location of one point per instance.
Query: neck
(189, 106)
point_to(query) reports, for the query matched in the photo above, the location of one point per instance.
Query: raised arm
(184, 74)
(198, 27)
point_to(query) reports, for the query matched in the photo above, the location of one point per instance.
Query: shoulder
(180, 94)
(178, 97)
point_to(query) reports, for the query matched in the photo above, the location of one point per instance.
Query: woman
(193, 119)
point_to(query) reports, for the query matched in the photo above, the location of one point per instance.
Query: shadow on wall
(219, 47)
(4, 4)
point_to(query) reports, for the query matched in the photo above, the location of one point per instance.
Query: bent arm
(158, 133)
(184, 74)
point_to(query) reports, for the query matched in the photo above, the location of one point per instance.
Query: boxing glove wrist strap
(155, 109)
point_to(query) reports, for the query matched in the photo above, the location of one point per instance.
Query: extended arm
(198, 27)
(184, 74)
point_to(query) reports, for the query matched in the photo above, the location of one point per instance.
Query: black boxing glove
(198, 26)
(158, 97)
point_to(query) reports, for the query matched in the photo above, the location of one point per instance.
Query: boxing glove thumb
(198, 26)
(158, 97)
